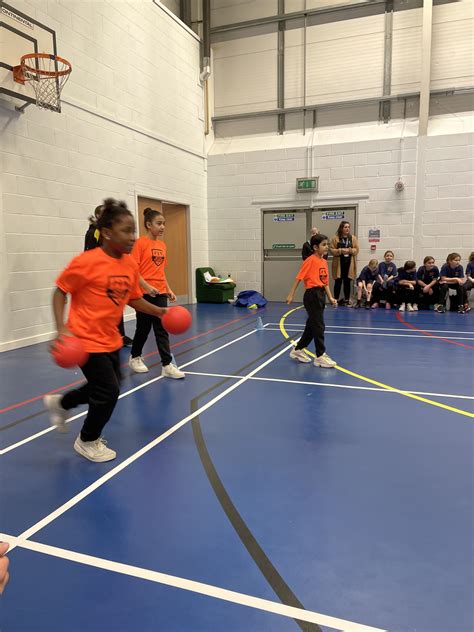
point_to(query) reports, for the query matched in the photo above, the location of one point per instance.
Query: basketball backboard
(20, 34)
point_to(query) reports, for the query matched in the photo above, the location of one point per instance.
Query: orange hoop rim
(45, 73)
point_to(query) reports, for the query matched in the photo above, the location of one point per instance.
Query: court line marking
(190, 585)
(329, 384)
(435, 331)
(369, 333)
(131, 459)
(148, 355)
(375, 382)
(14, 446)
(430, 335)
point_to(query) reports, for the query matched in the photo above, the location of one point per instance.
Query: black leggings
(102, 371)
(343, 278)
(461, 291)
(425, 300)
(144, 324)
(314, 301)
(405, 295)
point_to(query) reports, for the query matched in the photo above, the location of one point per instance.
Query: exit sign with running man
(307, 185)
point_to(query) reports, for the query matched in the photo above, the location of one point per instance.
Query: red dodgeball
(68, 352)
(177, 320)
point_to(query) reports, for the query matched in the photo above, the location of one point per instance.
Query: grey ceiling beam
(294, 15)
(318, 16)
(340, 104)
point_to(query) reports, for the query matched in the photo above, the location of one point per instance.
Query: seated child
(452, 277)
(406, 287)
(365, 283)
(384, 287)
(428, 286)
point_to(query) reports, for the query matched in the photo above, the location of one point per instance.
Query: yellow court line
(375, 382)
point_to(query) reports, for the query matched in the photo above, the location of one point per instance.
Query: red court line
(427, 333)
(176, 344)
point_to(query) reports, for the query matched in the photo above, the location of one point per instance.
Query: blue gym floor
(258, 494)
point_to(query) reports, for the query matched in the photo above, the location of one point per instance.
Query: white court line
(131, 459)
(369, 333)
(194, 586)
(125, 394)
(349, 386)
(435, 331)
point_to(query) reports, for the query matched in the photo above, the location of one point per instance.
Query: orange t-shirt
(100, 286)
(150, 254)
(314, 272)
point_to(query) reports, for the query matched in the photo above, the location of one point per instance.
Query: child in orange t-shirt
(101, 282)
(150, 254)
(314, 273)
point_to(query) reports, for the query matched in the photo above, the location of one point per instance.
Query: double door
(284, 233)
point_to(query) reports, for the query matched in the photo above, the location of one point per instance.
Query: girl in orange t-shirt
(314, 274)
(150, 254)
(101, 282)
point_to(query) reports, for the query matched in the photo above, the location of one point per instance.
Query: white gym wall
(357, 158)
(131, 124)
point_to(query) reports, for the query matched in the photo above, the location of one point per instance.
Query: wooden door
(176, 239)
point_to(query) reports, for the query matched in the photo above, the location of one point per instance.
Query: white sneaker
(325, 362)
(415, 307)
(172, 371)
(402, 307)
(57, 414)
(137, 365)
(96, 451)
(410, 307)
(300, 355)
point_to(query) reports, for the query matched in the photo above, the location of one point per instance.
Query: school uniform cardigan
(336, 257)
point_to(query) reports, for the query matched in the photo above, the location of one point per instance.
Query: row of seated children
(408, 288)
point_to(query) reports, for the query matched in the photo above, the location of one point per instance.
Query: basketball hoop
(47, 75)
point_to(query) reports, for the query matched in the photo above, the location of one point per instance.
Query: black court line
(150, 366)
(268, 570)
(202, 344)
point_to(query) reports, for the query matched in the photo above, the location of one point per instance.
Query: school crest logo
(323, 275)
(118, 288)
(157, 256)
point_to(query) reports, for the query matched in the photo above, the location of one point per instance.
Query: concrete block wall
(448, 212)
(131, 125)
(433, 215)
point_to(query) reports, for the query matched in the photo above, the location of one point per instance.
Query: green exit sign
(305, 185)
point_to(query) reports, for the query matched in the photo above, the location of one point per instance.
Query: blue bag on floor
(250, 297)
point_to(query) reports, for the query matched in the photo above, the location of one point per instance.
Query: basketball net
(47, 75)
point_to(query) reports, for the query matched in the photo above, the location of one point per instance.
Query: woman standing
(344, 249)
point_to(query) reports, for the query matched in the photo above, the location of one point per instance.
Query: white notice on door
(333, 215)
(284, 217)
